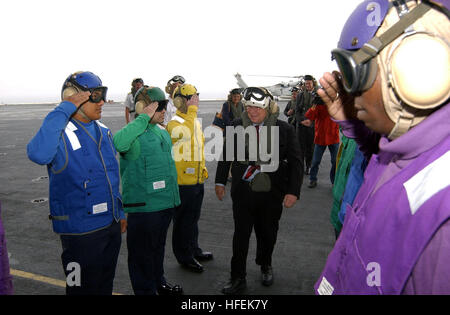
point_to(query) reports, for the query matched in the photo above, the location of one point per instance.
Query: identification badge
(190, 170)
(100, 208)
(159, 185)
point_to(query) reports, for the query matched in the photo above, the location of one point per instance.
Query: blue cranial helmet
(84, 81)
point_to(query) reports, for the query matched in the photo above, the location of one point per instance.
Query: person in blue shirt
(85, 202)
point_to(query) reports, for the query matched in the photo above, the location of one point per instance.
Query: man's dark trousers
(96, 254)
(305, 136)
(146, 241)
(261, 211)
(185, 223)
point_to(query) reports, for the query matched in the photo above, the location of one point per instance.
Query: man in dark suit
(263, 181)
(305, 129)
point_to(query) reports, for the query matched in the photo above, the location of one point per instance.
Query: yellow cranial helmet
(182, 94)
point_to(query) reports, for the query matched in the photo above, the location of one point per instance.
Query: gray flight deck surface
(305, 235)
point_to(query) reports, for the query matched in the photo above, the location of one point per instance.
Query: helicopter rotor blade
(276, 76)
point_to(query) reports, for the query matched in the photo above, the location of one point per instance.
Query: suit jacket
(287, 179)
(303, 103)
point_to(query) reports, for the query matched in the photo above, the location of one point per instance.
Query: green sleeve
(125, 139)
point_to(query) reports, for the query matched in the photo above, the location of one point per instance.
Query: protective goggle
(138, 80)
(356, 77)
(177, 79)
(188, 97)
(162, 105)
(82, 82)
(98, 95)
(256, 93)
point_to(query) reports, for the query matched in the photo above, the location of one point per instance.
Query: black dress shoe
(193, 266)
(204, 256)
(307, 171)
(167, 289)
(234, 286)
(267, 276)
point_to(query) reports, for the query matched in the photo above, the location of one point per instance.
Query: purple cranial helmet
(359, 45)
(363, 23)
(406, 43)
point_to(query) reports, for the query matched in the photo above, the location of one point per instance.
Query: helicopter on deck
(280, 90)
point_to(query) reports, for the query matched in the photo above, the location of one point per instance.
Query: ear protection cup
(179, 102)
(273, 107)
(69, 91)
(419, 68)
(139, 107)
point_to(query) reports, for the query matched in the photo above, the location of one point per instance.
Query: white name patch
(100, 208)
(159, 185)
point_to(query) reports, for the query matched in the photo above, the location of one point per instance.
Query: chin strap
(403, 124)
(372, 48)
(80, 110)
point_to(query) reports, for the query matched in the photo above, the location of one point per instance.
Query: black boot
(267, 275)
(234, 286)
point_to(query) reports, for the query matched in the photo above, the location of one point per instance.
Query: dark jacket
(303, 104)
(290, 105)
(287, 179)
(227, 113)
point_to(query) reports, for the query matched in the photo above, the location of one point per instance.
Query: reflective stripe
(58, 217)
(325, 287)
(70, 128)
(132, 205)
(178, 118)
(428, 182)
(102, 125)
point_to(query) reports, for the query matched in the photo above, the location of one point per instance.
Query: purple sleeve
(366, 139)
(431, 275)
(6, 285)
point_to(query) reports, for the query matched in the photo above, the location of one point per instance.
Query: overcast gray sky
(206, 41)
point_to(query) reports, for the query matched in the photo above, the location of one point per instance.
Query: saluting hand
(340, 104)
(195, 100)
(78, 98)
(150, 109)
